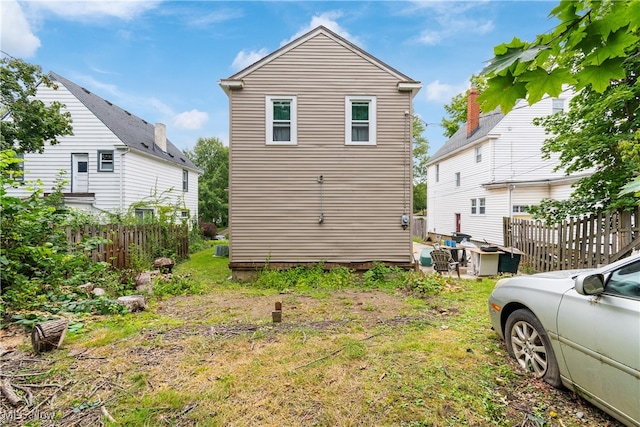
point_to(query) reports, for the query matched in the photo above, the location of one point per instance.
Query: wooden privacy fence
(582, 242)
(144, 241)
(419, 227)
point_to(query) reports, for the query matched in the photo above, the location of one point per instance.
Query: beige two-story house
(320, 158)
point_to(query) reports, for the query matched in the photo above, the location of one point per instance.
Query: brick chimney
(160, 133)
(473, 111)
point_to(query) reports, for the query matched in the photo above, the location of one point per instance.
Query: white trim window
(557, 105)
(478, 206)
(105, 160)
(360, 120)
(482, 206)
(478, 154)
(185, 180)
(457, 179)
(281, 119)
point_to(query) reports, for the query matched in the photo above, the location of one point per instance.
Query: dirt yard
(337, 358)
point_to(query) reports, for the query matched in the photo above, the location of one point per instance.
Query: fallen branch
(51, 396)
(333, 353)
(26, 390)
(106, 414)
(9, 393)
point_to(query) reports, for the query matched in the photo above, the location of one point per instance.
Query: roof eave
(410, 86)
(229, 85)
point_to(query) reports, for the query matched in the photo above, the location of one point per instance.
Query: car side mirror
(590, 284)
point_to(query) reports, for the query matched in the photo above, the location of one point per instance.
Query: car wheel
(529, 344)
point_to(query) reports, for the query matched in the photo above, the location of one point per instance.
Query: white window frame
(557, 105)
(482, 206)
(185, 180)
(457, 179)
(102, 163)
(438, 172)
(474, 206)
(144, 214)
(519, 209)
(348, 101)
(479, 154)
(269, 100)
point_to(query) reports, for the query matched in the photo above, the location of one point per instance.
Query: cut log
(133, 302)
(9, 393)
(164, 264)
(49, 335)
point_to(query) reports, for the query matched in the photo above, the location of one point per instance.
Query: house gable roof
(234, 82)
(460, 138)
(133, 131)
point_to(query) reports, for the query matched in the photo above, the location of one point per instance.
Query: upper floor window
(281, 119)
(557, 105)
(478, 154)
(474, 206)
(438, 173)
(360, 120)
(185, 180)
(105, 161)
(457, 179)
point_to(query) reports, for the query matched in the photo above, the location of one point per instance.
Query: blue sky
(161, 60)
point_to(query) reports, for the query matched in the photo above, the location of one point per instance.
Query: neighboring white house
(493, 168)
(113, 161)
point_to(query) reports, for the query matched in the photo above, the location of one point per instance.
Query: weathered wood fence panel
(126, 241)
(419, 228)
(581, 242)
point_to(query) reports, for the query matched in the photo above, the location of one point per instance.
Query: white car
(579, 329)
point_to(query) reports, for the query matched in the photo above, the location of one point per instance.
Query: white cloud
(193, 119)
(449, 19)
(243, 59)
(328, 20)
(216, 17)
(442, 92)
(17, 37)
(93, 9)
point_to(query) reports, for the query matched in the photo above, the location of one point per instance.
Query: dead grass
(341, 358)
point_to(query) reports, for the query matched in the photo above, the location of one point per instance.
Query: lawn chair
(442, 261)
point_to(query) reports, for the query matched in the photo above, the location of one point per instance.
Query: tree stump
(165, 265)
(133, 302)
(49, 335)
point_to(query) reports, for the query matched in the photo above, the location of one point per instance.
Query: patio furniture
(442, 261)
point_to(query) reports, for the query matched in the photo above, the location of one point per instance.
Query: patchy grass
(349, 351)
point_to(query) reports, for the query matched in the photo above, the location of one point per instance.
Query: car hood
(554, 281)
(562, 274)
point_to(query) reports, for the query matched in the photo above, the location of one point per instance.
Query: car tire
(528, 343)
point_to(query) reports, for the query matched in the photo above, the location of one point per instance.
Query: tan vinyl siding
(274, 190)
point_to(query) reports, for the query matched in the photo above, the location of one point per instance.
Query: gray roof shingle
(133, 131)
(460, 139)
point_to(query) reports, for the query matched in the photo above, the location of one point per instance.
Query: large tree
(595, 49)
(210, 155)
(593, 135)
(30, 123)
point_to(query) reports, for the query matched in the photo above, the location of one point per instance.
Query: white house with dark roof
(114, 161)
(493, 168)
